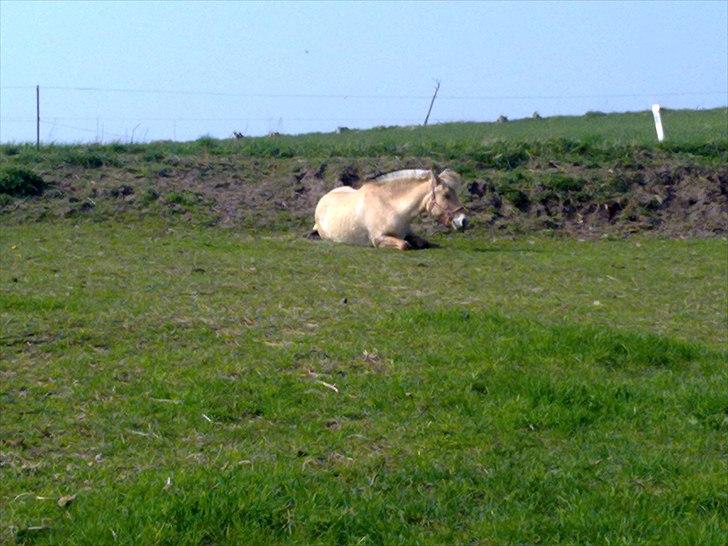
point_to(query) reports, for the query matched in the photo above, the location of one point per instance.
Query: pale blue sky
(493, 58)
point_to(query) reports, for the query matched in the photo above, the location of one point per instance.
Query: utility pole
(37, 116)
(437, 88)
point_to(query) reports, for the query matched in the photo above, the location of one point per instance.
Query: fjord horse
(380, 212)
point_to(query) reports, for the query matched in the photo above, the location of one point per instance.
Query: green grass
(491, 391)
(700, 133)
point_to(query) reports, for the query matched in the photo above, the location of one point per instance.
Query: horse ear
(451, 179)
(435, 180)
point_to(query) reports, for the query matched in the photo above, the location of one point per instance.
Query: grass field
(602, 136)
(193, 385)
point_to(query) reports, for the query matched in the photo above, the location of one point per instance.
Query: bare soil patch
(671, 196)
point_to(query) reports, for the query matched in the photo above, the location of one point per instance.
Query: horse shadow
(418, 243)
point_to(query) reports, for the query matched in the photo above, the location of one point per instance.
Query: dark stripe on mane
(400, 175)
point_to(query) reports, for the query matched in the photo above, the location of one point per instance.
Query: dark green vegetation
(193, 385)
(593, 174)
(20, 182)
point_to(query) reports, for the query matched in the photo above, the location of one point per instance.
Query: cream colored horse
(380, 212)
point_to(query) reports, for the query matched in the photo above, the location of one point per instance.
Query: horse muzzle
(460, 222)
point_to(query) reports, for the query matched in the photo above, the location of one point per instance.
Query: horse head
(443, 204)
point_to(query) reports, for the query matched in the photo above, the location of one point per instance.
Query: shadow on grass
(496, 250)
(485, 335)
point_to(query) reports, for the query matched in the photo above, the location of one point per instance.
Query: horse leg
(417, 242)
(387, 241)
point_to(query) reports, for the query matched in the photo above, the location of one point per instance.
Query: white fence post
(658, 122)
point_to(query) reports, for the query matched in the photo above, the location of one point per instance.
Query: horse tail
(314, 234)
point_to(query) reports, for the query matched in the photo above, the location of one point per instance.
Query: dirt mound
(673, 199)
(672, 196)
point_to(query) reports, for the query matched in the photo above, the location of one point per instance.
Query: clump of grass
(498, 155)
(148, 196)
(208, 144)
(184, 198)
(89, 158)
(563, 183)
(154, 155)
(20, 181)
(515, 187)
(11, 150)
(118, 147)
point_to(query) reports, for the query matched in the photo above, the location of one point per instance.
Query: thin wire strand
(272, 118)
(82, 129)
(371, 96)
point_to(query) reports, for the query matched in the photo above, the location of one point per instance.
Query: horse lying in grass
(380, 212)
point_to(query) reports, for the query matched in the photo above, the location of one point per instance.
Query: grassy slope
(634, 128)
(597, 173)
(684, 128)
(484, 396)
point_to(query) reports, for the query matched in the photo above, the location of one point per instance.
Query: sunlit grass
(703, 133)
(201, 386)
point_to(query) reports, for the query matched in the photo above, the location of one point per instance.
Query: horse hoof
(313, 236)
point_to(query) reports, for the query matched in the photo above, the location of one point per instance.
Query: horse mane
(404, 174)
